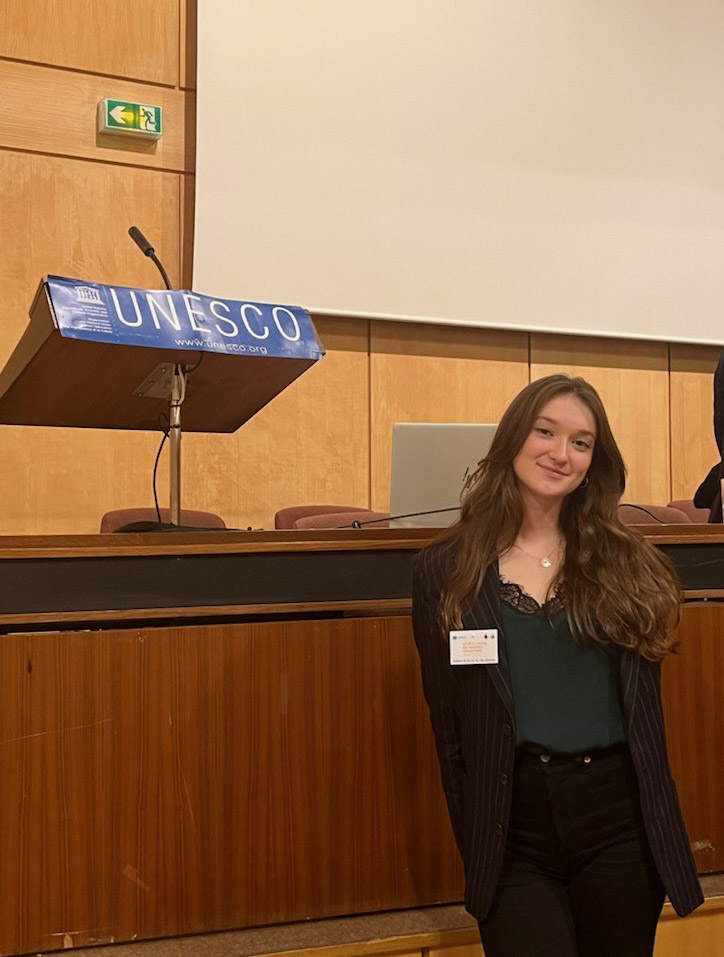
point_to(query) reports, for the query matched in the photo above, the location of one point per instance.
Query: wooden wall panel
(308, 446)
(171, 780)
(187, 53)
(696, 674)
(632, 379)
(55, 111)
(426, 373)
(462, 950)
(187, 209)
(134, 39)
(70, 217)
(693, 448)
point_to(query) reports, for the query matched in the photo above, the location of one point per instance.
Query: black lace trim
(516, 597)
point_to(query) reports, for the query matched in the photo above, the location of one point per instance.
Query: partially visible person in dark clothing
(708, 495)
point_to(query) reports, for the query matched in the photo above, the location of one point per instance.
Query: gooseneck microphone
(147, 249)
(176, 394)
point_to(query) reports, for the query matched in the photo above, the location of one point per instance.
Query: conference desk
(225, 730)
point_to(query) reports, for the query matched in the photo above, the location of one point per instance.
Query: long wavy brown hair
(618, 588)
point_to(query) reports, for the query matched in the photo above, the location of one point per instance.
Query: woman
(552, 751)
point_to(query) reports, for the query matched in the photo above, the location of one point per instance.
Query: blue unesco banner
(179, 319)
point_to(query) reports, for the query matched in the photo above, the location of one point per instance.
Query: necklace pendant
(545, 562)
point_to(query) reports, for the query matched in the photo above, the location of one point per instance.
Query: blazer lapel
(485, 613)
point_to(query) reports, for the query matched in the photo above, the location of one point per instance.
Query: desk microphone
(394, 518)
(435, 511)
(147, 249)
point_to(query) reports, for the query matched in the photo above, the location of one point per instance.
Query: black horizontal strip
(65, 585)
(169, 581)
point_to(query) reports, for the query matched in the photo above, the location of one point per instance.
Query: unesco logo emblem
(88, 294)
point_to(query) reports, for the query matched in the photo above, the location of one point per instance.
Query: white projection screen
(553, 165)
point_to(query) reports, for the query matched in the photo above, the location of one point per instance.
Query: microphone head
(140, 240)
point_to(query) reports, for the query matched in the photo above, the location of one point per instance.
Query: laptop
(430, 462)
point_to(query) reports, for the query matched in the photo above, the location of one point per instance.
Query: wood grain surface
(212, 542)
(133, 39)
(188, 14)
(692, 682)
(49, 110)
(173, 780)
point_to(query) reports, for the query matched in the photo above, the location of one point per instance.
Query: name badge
(478, 647)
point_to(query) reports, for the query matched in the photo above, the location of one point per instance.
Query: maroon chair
(694, 513)
(344, 519)
(125, 516)
(652, 515)
(287, 517)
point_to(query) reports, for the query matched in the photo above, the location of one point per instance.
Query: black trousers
(578, 879)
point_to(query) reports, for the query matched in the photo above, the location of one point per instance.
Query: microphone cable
(155, 471)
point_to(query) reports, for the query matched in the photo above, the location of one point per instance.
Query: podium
(113, 357)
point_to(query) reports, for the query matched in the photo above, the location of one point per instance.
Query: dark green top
(566, 697)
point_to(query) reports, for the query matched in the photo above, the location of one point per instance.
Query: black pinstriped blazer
(471, 710)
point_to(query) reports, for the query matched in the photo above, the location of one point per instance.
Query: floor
(318, 933)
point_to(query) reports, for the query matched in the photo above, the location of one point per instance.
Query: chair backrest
(694, 513)
(342, 519)
(124, 516)
(287, 517)
(652, 515)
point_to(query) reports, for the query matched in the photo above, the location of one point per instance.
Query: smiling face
(554, 459)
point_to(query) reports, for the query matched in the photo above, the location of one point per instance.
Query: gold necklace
(545, 560)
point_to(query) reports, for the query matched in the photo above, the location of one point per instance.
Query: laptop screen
(430, 462)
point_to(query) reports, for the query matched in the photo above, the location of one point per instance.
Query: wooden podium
(52, 378)
(82, 363)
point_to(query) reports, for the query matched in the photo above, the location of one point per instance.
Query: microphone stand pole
(179, 377)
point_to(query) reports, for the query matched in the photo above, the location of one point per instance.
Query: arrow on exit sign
(134, 119)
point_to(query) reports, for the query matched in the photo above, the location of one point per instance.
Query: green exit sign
(133, 119)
